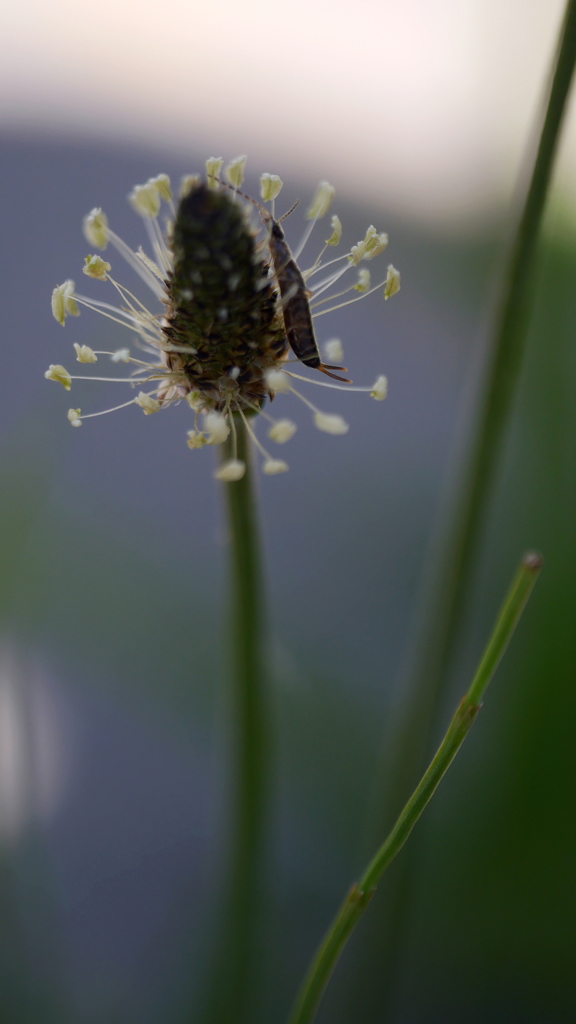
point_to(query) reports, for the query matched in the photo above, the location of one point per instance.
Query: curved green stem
(454, 548)
(360, 894)
(231, 983)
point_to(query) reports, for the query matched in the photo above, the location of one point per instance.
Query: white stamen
(392, 285)
(273, 466)
(213, 168)
(64, 302)
(60, 374)
(270, 186)
(95, 266)
(147, 403)
(230, 471)
(333, 350)
(195, 439)
(380, 389)
(320, 204)
(336, 231)
(217, 427)
(282, 431)
(74, 417)
(235, 171)
(122, 355)
(95, 228)
(277, 380)
(84, 354)
(330, 423)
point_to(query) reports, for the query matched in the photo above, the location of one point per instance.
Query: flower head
(232, 310)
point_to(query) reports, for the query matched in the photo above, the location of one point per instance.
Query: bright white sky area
(428, 101)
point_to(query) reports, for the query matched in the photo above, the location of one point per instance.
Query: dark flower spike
(217, 338)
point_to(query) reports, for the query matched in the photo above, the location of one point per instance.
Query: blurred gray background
(113, 700)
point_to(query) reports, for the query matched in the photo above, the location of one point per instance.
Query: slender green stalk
(231, 982)
(456, 545)
(360, 894)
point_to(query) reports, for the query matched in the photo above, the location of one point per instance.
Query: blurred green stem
(231, 983)
(360, 894)
(455, 547)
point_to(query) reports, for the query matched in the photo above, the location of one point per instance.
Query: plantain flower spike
(225, 331)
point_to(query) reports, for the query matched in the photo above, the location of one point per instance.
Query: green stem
(360, 894)
(232, 980)
(454, 549)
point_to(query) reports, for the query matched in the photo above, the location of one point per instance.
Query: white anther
(74, 417)
(95, 266)
(235, 171)
(147, 403)
(277, 380)
(217, 427)
(392, 282)
(187, 183)
(63, 302)
(336, 231)
(84, 354)
(270, 186)
(331, 424)
(195, 439)
(320, 204)
(357, 253)
(375, 243)
(273, 466)
(363, 283)
(380, 389)
(231, 471)
(213, 168)
(95, 228)
(146, 199)
(333, 350)
(162, 183)
(282, 431)
(121, 355)
(58, 373)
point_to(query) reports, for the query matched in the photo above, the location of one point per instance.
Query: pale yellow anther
(74, 417)
(147, 403)
(270, 186)
(336, 231)
(375, 243)
(162, 183)
(235, 171)
(357, 253)
(320, 204)
(121, 355)
(95, 228)
(57, 372)
(282, 431)
(145, 199)
(380, 389)
(95, 266)
(363, 283)
(217, 427)
(392, 282)
(277, 380)
(273, 466)
(194, 399)
(213, 168)
(84, 354)
(63, 302)
(333, 350)
(330, 423)
(230, 471)
(196, 440)
(187, 183)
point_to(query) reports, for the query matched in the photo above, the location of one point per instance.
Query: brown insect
(293, 294)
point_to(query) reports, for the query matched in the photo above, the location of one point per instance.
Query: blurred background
(113, 699)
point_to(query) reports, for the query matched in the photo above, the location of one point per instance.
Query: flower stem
(232, 981)
(454, 547)
(360, 894)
